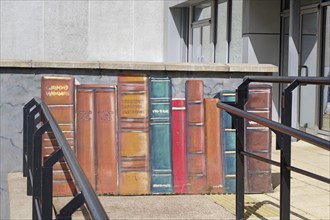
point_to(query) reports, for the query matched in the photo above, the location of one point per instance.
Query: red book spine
(179, 145)
(196, 164)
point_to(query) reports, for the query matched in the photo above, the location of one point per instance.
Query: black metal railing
(283, 132)
(37, 119)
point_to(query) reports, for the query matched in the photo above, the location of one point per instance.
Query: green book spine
(228, 144)
(160, 135)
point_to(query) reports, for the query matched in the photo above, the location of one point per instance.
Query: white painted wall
(82, 30)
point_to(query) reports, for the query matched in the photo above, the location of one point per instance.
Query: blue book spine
(228, 144)
(160, 135)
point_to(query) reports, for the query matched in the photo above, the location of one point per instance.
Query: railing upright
(242, 93)
(31, 127)
(285, 148)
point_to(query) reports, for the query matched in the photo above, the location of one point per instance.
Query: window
(202, 41)
(209, 31)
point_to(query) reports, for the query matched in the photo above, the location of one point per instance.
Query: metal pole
(47, 184)
(25, 128)
(37, 158)
(31, 127)
(47, 193)
(285, 146)
(242, 93)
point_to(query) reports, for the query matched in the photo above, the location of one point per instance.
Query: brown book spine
(133, 118)
(196, 164)
(85, 132)
(258, 140)
(97, 135)
(213, 147)
(59, 95)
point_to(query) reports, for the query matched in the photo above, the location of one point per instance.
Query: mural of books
(134, 138)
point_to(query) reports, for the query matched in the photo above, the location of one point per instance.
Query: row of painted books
(133, 138)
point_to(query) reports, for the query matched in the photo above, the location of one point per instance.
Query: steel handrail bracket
(37, 119)
(283, 132)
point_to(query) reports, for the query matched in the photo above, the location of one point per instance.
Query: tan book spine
(133, 118)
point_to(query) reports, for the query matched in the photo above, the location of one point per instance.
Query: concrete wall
(261, 31)
(261, 37)
(82, 30)
(236, 43)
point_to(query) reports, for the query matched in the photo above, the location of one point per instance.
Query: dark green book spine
(160, 135)
(228, 144)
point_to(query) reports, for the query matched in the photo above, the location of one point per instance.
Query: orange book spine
(213, 147)
(106, 142)
(97, 135)
(196, 164)
(59, 95)
(85, 132)
(133, 123)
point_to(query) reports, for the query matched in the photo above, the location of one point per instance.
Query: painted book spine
(258, 140)
(133, 119)
(86, 132)
(228, 144)
(196, 164)
(179, 145)
(59, 95)
(213, 146)
(160, 135)
(97, 135)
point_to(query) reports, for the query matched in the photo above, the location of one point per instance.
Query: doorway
(308, 95)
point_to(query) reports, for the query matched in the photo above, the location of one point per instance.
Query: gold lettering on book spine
(57, 90)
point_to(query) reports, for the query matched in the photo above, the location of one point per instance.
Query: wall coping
(148, 66)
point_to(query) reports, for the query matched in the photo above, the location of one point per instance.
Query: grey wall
(261, 31)
(82, 30)
(261, 37)
(236, 44)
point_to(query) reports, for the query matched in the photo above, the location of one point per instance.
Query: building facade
(291, 34)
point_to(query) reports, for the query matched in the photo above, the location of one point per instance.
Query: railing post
(47, 184)
(285, 146)
(37, 158)
(242, 94)
(31, 127)
(26, 111)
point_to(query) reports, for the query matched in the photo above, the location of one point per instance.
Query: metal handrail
(87, 195)
(283, 131)
(276, 127)
(289, 79)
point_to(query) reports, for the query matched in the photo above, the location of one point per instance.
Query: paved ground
(310, 199)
